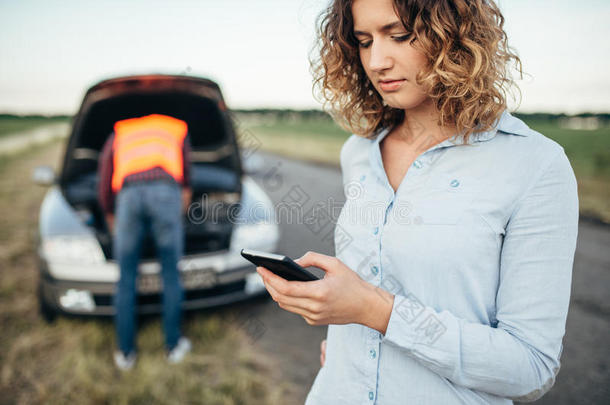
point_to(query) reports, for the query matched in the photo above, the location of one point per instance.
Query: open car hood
(196, 101)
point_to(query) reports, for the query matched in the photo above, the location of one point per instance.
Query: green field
(320, 140)
(10, 125)
(589, 153)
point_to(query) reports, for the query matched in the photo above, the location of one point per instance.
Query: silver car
(229, 211)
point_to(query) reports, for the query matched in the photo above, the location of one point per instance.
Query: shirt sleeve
(518, 355)
(105, 171)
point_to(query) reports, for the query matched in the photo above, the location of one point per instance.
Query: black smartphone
(281, 265)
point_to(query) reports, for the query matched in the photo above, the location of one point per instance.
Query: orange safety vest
(143, 143)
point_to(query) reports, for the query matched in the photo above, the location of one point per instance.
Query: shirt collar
(506, 124)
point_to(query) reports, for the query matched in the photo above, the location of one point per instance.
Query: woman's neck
(420, 127)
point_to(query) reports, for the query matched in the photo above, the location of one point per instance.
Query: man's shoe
(122, 362)
(176, 355)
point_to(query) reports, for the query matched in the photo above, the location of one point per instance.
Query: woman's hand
(323, 353)
(341, 297)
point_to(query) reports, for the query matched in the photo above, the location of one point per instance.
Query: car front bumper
(201, 290)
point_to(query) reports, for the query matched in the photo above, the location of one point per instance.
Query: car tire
(47, 313)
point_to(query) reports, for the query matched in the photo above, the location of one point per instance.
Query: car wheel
(47, 313)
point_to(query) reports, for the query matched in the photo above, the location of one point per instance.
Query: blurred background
(258, 52)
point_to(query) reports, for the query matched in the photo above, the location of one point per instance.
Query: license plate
(198, 279)
(192, 279)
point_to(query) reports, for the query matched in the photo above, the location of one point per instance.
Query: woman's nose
(379, 57)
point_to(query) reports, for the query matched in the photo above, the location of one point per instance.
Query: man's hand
(341, 297)
(110, 222)
(187, 195)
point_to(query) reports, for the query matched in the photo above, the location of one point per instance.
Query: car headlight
(260, 236)
(72, 249)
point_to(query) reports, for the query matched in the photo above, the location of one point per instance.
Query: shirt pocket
(445, 201)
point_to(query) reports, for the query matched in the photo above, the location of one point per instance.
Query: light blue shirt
(477, 244)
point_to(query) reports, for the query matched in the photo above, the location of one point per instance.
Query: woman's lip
(390, 85)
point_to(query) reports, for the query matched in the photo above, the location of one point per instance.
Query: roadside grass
(589, 154)
(316, 140)
(70, 361)
(321, 141)
(10, 125)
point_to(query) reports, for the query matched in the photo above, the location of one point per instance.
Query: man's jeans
(153, 207)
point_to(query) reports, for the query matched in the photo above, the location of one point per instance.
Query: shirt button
(376, 230)
(374, 270)
(454, 183)
(373, 353)
(417, 164)
(371, 395)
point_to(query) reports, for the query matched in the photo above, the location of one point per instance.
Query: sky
(52, 51)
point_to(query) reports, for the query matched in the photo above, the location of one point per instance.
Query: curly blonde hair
(466, 73)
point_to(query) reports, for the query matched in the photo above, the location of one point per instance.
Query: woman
(456, 243)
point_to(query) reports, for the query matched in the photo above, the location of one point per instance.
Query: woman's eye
(364, 44)
(401, 38)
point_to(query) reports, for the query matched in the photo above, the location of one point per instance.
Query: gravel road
(13, 143)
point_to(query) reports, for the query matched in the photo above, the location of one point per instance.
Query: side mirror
(43, 176)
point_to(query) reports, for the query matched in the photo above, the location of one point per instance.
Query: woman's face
(389, 60)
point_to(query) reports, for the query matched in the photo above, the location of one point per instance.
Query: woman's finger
(310, 317)
(305, 303)
(304, 289)
(324, 262)
(323, 352)
(305, 306)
